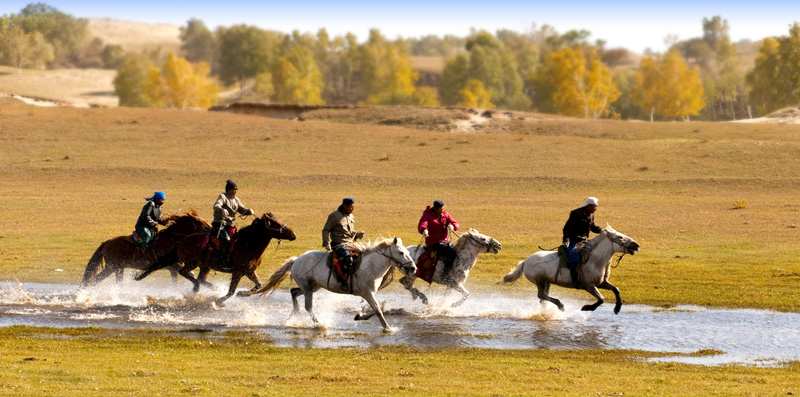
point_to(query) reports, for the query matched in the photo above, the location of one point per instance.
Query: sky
(635, 25)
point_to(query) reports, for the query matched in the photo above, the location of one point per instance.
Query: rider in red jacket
(434, 225)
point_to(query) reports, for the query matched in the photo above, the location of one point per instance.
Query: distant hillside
(135, 36)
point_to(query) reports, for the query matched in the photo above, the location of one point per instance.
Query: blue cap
(348, 201)
(157, 196)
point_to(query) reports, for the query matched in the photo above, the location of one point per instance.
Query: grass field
(43, 361)
(713, 205)
(75, 177)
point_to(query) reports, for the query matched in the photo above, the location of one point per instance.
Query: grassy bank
(72, 362)
(714, 205)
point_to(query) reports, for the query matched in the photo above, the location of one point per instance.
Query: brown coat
(339, 229)
(226, 207)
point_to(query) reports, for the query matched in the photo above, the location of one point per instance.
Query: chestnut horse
(114, 255)
(244, 259)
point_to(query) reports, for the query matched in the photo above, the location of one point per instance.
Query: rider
(434, 225)
(149, 218)
(576, 230)
(225, 209)
(339, 232)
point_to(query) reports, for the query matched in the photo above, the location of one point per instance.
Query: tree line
(537, 70)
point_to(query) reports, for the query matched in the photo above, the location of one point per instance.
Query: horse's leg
(202, 275)
(186, 272)
(254, 278)
(295, 293)
(235, 277)
(173, 272)
(464, 294)
(544, 295)
(408, 283)
(593, 290)
(615, 290)
(369, 296)
(309, 296)
(107, 271)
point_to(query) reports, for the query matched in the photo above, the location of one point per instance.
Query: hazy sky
(635, 25)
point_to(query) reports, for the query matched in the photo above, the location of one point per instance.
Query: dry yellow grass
(74, 86)
(72, 178)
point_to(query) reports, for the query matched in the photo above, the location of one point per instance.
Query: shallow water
(492, 321)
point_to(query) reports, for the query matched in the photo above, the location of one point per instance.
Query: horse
(118, 253)
(310, 272)
(542, 268)
(245, 256)
(469, 245)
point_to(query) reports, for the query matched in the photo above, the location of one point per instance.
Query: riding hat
(590, 201)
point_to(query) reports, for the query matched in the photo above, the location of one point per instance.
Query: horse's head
(276, 228)
(400, 255)
(483, 241)
(626, 244)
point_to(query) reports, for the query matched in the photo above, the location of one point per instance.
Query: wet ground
(497, 321)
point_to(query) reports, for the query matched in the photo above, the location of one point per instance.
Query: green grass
(72, 178)
(70, 362)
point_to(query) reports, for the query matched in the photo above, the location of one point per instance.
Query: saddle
(341, 273)
(563, 257)
(212, 244)
(426, 264)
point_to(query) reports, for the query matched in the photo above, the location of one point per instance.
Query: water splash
(487, 320)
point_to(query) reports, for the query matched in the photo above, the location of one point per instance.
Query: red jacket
(436, 226)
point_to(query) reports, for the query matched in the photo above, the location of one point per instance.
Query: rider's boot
(575, 282)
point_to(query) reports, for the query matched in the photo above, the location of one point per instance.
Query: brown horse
(114, 255)
(244, 259)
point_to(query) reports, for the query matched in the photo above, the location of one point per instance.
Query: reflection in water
(493, 321)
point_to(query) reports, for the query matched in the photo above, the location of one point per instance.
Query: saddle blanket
(343, 274)
(426, 264)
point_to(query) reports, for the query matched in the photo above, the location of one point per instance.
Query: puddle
(491, 321)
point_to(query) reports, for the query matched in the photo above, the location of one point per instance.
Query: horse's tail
(94, 264)
(515, 274)
(166, 260)
(275, 279)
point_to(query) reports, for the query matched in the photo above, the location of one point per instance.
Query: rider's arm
(326, 230)
(423, 224)
(148, 213)
(452, 221)
(219, 210)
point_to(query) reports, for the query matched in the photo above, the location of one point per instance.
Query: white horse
(469, 245)
(310, 272)
(542, 268)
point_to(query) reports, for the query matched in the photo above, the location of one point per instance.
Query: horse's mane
(366, 247)
(463, 241)
(191, 213)
(587, 246)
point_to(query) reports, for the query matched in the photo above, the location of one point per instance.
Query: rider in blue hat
(149, 219)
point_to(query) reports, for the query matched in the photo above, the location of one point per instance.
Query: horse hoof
(616, 310)
(587, 308)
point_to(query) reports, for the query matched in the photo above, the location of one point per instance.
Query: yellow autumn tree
(180, 84)
(669, 87)
(297, 79)
(581, 91)
(475, 95)
(386, 72)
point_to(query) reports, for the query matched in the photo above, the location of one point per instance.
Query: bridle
(488, 245)
(392, 259)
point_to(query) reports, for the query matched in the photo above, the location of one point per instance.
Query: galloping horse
(244, 259)
(469, 245)
(114, 255)
(310, 272)
(542, 268)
